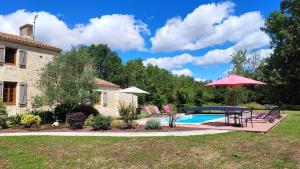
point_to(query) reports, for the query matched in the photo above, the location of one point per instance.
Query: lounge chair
(156, 110)
(268, 116)
(166, 109)
(147, 108)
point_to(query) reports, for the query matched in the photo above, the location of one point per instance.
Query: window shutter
(22, 58)
(23, 94)
(2, 54)
(104, 99)
(1, 91)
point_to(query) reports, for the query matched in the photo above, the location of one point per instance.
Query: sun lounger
(268, 116)
(149, 113)
(156, 110)
(166, 109)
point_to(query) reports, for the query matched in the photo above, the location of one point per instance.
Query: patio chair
(147, 108)
(166, 109)
(246, 116)
(269, 116)
(156, 110)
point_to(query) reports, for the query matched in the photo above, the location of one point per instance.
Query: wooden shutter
(22, 58)
(104, 99)
(2, 55)
(23, 94)
(1, 91)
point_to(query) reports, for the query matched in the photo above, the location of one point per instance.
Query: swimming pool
(195, 118)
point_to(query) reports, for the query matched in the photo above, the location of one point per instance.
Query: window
(9, 93)
(105, 97)
(10, 56)
(98, 97)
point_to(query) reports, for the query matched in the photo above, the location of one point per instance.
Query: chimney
(26, 31)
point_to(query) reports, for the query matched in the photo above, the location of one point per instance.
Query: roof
(104, 83)
(27, 41)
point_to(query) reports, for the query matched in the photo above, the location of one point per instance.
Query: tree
(282, 71)
(239, 61)
(198, 100)
(181, 100)
(108, 64)
(68, 80)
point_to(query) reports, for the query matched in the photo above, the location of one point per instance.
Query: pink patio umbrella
(235, 80)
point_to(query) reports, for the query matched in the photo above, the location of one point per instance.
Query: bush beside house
(101, 122)
(75, 120)
(30, 120)
(153, 124)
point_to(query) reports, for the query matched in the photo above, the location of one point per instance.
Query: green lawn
(280, 148)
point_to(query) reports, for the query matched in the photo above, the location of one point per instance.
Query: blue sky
(188, 37)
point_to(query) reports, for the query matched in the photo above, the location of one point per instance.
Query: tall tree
(108, 64)
(239, 61)
(282, 71)
(68, 80)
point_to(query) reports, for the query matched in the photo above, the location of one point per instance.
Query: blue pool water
(194, 118)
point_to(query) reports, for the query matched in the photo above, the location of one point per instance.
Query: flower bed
(63, 128)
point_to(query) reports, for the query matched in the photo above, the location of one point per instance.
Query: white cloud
(186, 72)
(215, 56)
(200, 79)
(170, 62)
(265, 53)
(122, 32)
(210, 25)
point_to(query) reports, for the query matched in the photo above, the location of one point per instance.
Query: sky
(187, 37)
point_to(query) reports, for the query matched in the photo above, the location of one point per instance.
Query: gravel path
(119, 134)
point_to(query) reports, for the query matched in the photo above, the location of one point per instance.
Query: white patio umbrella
(133, 90)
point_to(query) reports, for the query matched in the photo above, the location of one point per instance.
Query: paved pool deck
(119, 134)
(258, 125)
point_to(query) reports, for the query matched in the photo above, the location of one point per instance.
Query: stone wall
(37, 58)
(113, 100)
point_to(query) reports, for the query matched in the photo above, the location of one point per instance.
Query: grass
(280, 148)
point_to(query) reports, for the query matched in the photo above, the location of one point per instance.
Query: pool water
(195, 118)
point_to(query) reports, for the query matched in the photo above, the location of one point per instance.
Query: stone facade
(113, 99)
(36, 59)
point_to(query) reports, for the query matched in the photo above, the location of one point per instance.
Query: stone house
(21, 61)
(109, 98)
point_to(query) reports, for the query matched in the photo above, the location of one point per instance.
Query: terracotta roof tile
(104, 83)
(26, 41)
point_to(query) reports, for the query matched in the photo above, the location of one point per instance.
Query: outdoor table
(236, 115)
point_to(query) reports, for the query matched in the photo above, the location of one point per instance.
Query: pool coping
(144, 120)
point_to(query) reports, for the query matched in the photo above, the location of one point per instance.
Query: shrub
(3, 124)
(172, 119)
(60, 112)
(3, 111)
(3, 116)
(46, 116)
(126, 114)
(291, 107)
(15, 120)
(88, 121)
(117, 124)
(153, 124)
(75, 120)
(254, 105)
(101, 122)
(30, 120)
(86, 110)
